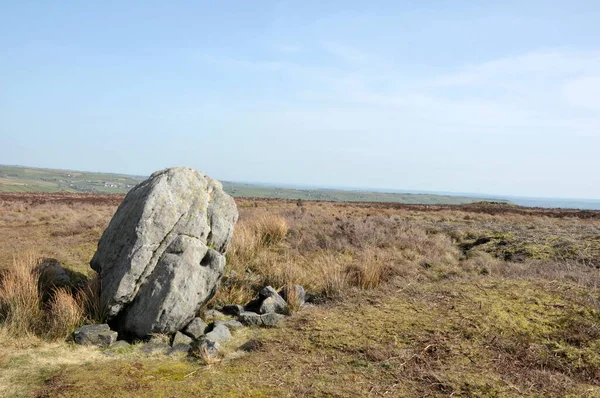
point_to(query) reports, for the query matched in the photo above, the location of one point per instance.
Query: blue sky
(463, 96)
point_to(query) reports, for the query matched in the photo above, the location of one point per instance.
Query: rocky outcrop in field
(163, 254)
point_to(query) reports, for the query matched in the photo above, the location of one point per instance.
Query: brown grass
(64, 314)
(31, 306)
(20, 298)
(293, 299)
(89, 298)
(465, 300)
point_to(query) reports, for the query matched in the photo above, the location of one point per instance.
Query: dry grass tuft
(293, 298)
(271, 229)
(333, 274)
(20, 298)
(244, 245)
(372, 271)
(31, 306)
(64, 314)
(89, 297)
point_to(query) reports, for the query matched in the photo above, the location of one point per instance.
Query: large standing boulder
(163, 253)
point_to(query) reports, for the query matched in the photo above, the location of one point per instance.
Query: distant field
(27, 179)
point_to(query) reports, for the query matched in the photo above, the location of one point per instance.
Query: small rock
(295, 292)
(213, 315)
(315, 299)
(252, 345)
(52, 273)
(99, 335)
(106, 339)
(150, 348)
(273, 305)
(271, 319)
(250, 318)
(272, 302)
(180, 338)
(219, 334)
(196, 328)
(253, 319)
(231, 325)
(209, 350)
(121, 344)
(159, 338)
(233, 309)
(181, 348)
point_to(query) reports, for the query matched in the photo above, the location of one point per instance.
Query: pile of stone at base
(197, 336)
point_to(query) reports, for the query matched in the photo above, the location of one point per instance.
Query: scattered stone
(196, 328)
(252, 345)
(181, 348)
(148, 256)
(232, 309)
(315, 299)
(271, 302)
(150, 348)
(121, 344)
(106, 339)
(253, 319)
(209, 350)
(52, 273)
(231, 325)
(212, 315)
(271, 319)
(180, 338)
(250, 318)
(159, 338)
(219, 334)
(99, 335)
(295, 292)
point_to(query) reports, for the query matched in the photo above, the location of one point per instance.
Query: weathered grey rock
(219, 334)
(180, 348)
(253, 319)
(231, 325)
(52, 273)
(162, 256)
(99, 335)
(212, 315)
(119, 345)
(232, 309)
(150, 348)
(271, 319)
(180, 338)
(250, 318)
(209, 349)
(196, 328)
(271, 302)
(295, 292)
(106, 339)
(159, 338)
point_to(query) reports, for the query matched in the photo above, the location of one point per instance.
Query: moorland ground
(470, 300)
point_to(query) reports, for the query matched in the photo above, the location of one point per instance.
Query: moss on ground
(476, 336)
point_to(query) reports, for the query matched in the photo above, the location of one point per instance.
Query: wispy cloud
(540, 92)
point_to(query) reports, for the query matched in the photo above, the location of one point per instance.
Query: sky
(498, 97)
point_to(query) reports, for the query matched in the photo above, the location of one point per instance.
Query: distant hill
(29, 179)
